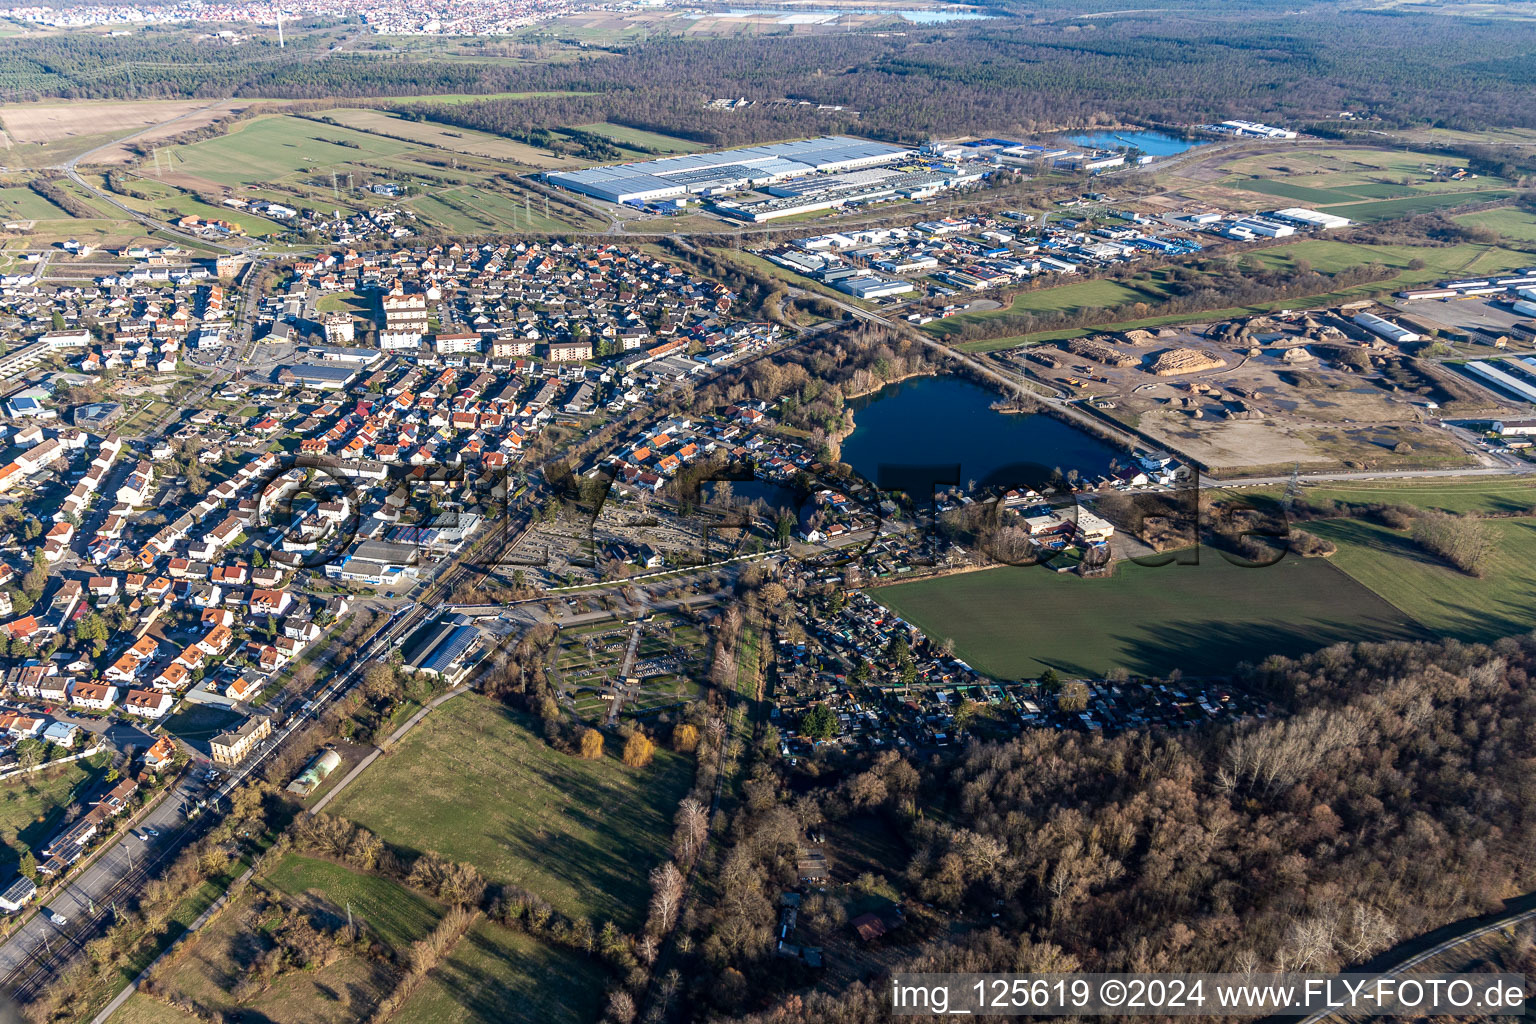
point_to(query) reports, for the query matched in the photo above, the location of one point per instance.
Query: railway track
(45, 959)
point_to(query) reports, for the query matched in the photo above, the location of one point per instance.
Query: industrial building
(377, 562)
(328, 376)
(439, 648)
(830, 191)
(1250, 130)
(1264, 228)
(1509, 382)
(1311, 218)
(1386, 328)
(725, 171)
(1514, 428)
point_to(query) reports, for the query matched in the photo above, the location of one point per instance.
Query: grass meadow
(1014, 623)
(497, 975)
(474, 782)
(1445, 600)
(389, 910)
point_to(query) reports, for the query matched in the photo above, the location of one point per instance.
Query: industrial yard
(1322, 389)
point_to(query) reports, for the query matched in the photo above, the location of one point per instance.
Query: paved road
(87, 899)
(1508, 920)
(71, 169)
(27, 958)
(1525, 469)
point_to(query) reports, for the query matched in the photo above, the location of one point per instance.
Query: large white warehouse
(1386, 328)
(707, 173)
(1312, 218)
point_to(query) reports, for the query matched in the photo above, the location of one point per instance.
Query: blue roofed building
(440, 648)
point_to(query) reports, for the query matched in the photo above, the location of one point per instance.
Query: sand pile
(1185, 360)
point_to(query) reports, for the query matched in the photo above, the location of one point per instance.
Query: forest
(1020, 78)
(1389, 794)
(1002, 75)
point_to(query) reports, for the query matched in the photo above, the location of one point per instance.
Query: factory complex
(707, 174)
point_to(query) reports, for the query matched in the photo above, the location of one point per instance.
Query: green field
(1323, 254)
(1362, 184)
(1013, 623)
(392, 912)
(268, 149)
(1062, 298)
(470, 210)
(1300, 193)
(1447, 601)
(473, 782)
(32, 806)
(1510, 222)
(195, 722)
(495, 974)
(343, 302)
(1504, 494)
(1420, 203)
(24, 204)
(1371, 200)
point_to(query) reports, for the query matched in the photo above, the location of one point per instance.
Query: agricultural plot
(273, 149)
(1502, 495)
(1013, 623)
(1510, 222)
(1300, 193)
(1420, 203)
(471, 210)
(24, 204)
(1361, 184)
(49, 133)
(38, 123)
(1443, 599)
(474, 782)
(1324, 255)
(436, 135)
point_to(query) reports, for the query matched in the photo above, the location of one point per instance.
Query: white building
(151, 704)
(1386, 329)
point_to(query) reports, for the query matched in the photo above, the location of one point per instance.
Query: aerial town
(658, 513)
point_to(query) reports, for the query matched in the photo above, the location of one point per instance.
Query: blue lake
(939, 17)
(935, 421)
(1149, 142)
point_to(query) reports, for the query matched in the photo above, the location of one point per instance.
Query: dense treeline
(1390, 794)
(51, 190)
(992, 76)
(1025, 78)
